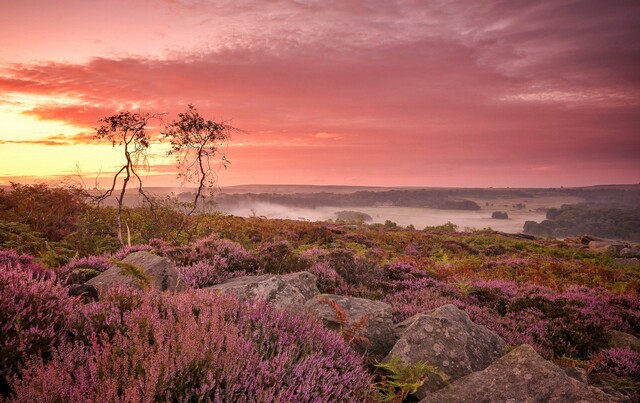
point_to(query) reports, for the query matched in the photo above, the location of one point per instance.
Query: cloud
(418, 86)
(56, 140)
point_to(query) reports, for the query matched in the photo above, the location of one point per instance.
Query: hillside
(573, 306)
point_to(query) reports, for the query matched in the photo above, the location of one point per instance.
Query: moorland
(571, 303)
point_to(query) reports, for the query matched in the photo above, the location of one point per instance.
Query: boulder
(607, 246)
(80, 276)
(379, 325)
(576, 373)
(447, 339)
(622, 339)
(522, 376)
(289, 291)
(632, 252)
(87, 292)
(141, 269)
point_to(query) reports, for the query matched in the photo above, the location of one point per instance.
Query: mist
(404, 216)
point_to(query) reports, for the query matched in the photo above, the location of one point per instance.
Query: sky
(502, 93)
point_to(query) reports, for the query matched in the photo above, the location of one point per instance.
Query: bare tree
(129, 130)
(194, 143)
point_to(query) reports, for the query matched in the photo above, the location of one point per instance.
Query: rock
(290, 291)
(607, 246)
(86, 291)
(379, 326)
(576, 373)
(627, 262)
(633, 252)
(144, 270)
(522, 376)
(80, 276)
(500, 215)
(447, 339)
(622, 339)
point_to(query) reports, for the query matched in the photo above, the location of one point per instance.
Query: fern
(402, 379)
(350, 333)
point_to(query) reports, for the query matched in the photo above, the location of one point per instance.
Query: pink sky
(406, 93)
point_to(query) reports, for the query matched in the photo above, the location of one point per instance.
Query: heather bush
(206, 274)
(327, 279)
(26, 263)
(208, 251)
(617, 361)
(279, 257)
(197, 346)
(34, 314)
(98, 263)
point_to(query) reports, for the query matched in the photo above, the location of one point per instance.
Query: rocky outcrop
(143, 270)
(379, 325)
(621, 339)
(631, 252)
(522, 376)
(289, 291)
(607, 246)
(447, 339)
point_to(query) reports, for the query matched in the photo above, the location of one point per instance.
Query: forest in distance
(609, 211)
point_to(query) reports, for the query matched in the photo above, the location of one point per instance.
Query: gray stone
(607, 246)
(379, 325)
(447, 339)
(158, 274)
(80, 276)
(622, 339)
(289, 291)
(576, 373)
(631, 252)
(522, 376)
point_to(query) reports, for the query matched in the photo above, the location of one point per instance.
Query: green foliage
(133, 271)
(448, 227)
(402, 379)
(595, 219)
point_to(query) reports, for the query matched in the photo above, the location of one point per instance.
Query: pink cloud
(422, 93)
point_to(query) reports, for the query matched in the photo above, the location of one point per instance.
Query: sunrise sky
(393, 93)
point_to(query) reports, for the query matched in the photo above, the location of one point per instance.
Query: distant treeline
(439, 198)
(427, 198)
(592, 219)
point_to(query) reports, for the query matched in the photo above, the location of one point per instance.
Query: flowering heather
(209, 250)
(328, 280)
(199, 346)
(123, 252)
(205, 274)
(34, 314)
(23, 262)
(99, 263)
(617, 361)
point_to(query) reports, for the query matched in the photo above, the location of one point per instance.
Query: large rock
(447, 339)
(608, 246)
(144, 270)
(622, 339)
(522, 376)
(289, 291)
(379, 325)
